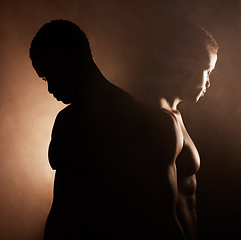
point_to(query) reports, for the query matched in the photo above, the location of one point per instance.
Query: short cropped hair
(60, 38)
(209, 41)
(185, 45)
(187, 35)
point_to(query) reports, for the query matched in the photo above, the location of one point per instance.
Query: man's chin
(63, 100)
(197, 98)
(200, 95)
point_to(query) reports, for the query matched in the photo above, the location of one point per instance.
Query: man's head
(175, 63)
(59, 52)
(190, 55)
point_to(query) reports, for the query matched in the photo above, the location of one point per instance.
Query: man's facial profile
(205, 83)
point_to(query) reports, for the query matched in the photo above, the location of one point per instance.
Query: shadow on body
(115, 158)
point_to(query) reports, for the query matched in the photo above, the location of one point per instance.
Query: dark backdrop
(119, 32)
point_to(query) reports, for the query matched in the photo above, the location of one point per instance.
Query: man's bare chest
(188, 160)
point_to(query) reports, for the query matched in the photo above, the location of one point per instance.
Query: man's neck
(170, 105)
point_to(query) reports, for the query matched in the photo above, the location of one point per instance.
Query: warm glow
(121, 33)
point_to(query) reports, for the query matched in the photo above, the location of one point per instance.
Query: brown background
(119, 31)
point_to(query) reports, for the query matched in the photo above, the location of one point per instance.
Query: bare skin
(187, 161)
(187, 164)
(123, 171)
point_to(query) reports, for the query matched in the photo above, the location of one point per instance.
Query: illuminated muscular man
(115, 159)
(186, 58)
